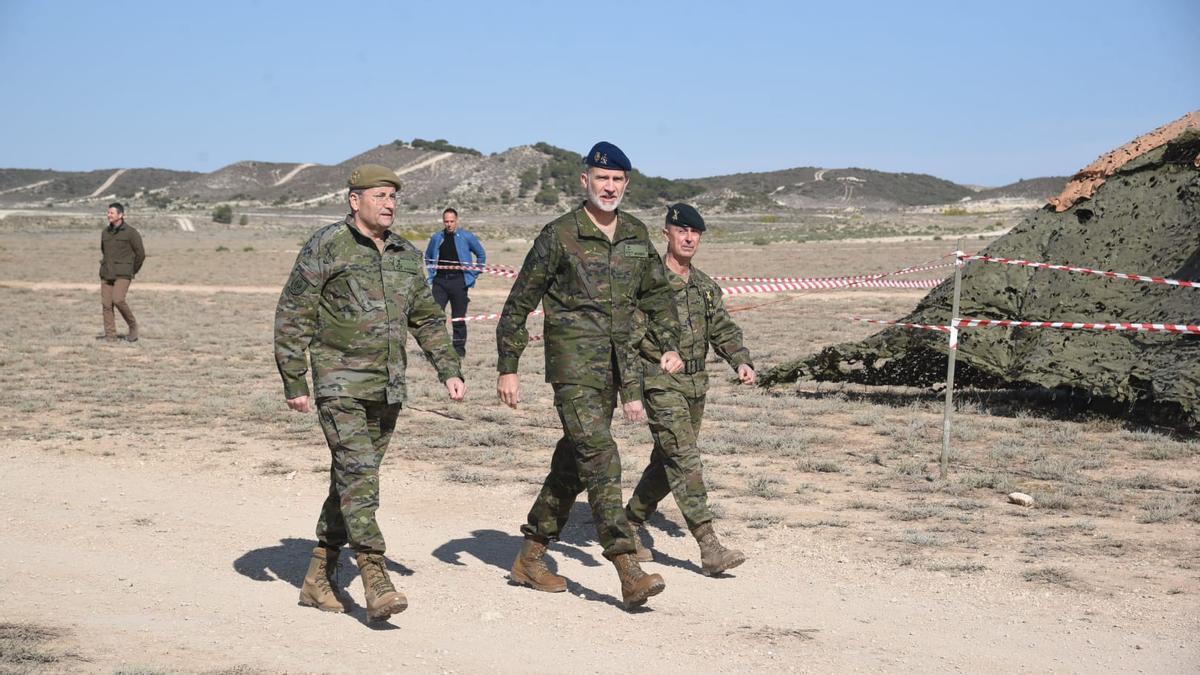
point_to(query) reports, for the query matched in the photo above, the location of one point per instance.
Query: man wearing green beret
(590, 269)
(355, 292)
(675, 402)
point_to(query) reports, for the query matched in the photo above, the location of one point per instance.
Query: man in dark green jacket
(591, 269)
(354, 294)
(122, 256)
(675, 402)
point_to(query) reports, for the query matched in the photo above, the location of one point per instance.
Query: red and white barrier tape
(1085, 270)
(829, 284)
(784, 280)
(488, 317)
(1180, 328)
(496, 270)
(1076, 325)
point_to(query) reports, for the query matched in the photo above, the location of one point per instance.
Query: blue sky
(983, 93)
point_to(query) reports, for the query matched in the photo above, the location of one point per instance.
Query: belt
(693, 366)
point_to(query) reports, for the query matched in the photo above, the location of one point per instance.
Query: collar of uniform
(114, 228)
(587, 228)
(677, 281)
(391, 238)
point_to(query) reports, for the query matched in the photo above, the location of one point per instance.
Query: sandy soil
(160, 503)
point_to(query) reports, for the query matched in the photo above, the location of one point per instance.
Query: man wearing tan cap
(355, 292)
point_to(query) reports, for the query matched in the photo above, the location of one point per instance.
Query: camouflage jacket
(704, 321)
(351, 308)
(121, 252)
(590, 289)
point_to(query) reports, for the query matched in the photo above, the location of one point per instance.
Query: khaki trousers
(112, 294)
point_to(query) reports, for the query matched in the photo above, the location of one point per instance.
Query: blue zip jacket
(465, 244)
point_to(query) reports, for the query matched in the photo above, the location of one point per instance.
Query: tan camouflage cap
(372, 175)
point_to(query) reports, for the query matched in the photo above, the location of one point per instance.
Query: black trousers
(453, 289)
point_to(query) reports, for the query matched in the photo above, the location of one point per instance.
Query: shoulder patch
(300, 281)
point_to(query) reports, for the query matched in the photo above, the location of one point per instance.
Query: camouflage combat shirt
(351, 308)
(704, 321)
(590, 289)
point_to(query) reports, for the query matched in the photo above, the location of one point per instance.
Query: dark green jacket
(590, 289)
(704, 321)
(121, 252)
(351, 308)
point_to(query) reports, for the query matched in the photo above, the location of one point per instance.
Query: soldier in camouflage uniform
(591, 269)
(355, 292)
(675, 402)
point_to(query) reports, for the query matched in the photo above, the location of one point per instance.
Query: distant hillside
(41, 186)
(810, 187)
(538, 177)
(1032, 188)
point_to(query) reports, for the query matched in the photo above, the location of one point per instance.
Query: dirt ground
(159, 500)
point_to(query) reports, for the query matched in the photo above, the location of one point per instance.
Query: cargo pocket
(578, 420)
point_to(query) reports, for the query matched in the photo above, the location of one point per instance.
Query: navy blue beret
(605, 155)
(684, 216)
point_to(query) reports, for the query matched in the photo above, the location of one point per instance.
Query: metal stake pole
(953, 344)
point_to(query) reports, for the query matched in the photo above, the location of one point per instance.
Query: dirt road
(196, 563)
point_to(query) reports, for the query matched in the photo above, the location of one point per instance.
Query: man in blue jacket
(452, 247)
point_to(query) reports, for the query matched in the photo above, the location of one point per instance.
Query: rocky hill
(538, 177)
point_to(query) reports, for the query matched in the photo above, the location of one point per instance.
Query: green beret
(684, 215)
(372, 175)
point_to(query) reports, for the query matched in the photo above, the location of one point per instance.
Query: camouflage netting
(1144, 219)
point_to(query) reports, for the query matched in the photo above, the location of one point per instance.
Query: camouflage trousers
(675, 465)
(585, 458)
(358, 432)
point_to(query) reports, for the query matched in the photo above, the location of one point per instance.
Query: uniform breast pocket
(340, 296)
(399, 285)
(627, 273)
(587, 272)
(364, 297)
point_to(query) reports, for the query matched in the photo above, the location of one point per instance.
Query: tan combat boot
(641, 552)
(715, 558)
(320, 589)
(636, 585)
(383, 600)
(529, 569)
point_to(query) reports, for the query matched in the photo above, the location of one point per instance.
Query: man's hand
(456, 388)
(634, 411)
(508, 388)
(671, 363)
(746, 374)
(300, 404)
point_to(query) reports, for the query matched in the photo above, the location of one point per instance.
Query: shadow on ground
(289, 561)
(499, 549)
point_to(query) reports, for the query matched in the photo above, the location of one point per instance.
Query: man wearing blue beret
(592, 270)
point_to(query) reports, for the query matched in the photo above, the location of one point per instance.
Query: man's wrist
(507, 365)
(295, 390)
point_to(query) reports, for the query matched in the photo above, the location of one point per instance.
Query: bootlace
(538, 565)
(378, 579)
(629, 568)
(322, 582)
